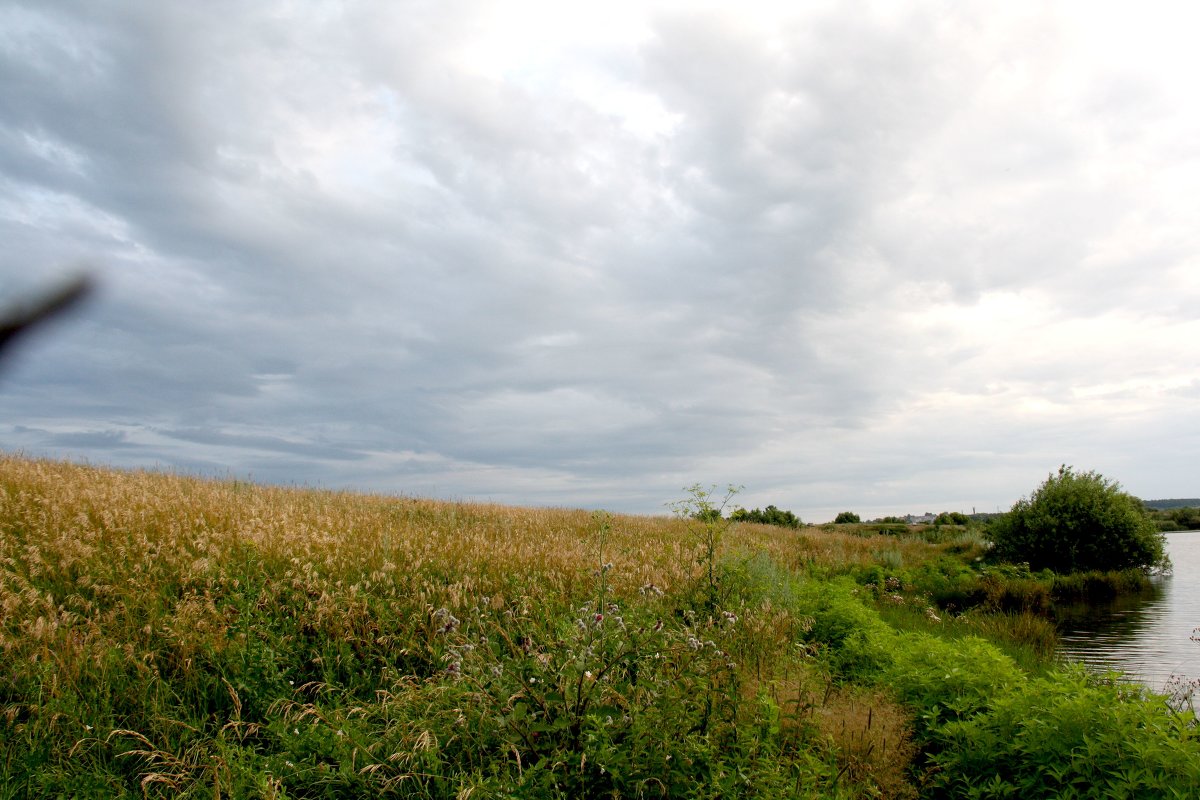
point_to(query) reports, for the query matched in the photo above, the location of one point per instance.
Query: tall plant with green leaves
(1078, 521)
(707, 506)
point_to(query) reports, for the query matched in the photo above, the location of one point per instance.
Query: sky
(881, 257)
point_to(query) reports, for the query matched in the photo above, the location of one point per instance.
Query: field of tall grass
(166, 636)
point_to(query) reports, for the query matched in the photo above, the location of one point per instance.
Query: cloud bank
(887, 259)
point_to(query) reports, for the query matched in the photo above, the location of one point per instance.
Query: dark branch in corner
(18, 320)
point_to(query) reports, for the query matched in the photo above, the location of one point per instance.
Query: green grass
(163, 636)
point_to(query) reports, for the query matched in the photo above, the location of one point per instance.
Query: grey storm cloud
(881, 256)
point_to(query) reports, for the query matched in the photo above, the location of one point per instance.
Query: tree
(1076, 522)
(846, 516)
(768, 516)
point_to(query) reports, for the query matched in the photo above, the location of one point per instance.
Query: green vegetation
(846, 518)
(1078, 522)
(171, 637)
(951, 518)
(1066, 735)
(1179, 518)
(768, 516)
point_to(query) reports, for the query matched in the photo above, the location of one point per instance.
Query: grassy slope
(164, 635)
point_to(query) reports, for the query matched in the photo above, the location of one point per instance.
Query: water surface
(1148, 637)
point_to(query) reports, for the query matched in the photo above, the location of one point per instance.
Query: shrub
(852, 640)
(846, 517)
(949, 584)
(948, 680)
(1185, 518)
(1079, 521)
(1069, 734)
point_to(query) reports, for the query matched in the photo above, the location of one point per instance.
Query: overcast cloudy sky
(887, 257)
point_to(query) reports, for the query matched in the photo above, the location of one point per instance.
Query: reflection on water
(1148, 637)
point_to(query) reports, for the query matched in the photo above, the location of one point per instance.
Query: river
(1149, 636)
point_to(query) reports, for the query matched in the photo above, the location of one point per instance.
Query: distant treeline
(768, 516)
(1163, 505)
(1169, 515)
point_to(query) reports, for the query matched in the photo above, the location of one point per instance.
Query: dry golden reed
(129, 576)
(109, 531)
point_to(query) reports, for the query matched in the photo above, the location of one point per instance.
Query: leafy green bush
(1068, 735)
(850, 638)
(949, 584)
(946, 680)
(1079, 521)
(846, 517)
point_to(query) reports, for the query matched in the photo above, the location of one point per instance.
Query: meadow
(168, 636)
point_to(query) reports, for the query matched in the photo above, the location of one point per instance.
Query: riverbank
(167, 636)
